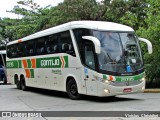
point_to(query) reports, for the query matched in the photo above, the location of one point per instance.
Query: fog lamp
(106, 90)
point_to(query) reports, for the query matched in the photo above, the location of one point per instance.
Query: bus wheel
(17, 82)
(72, 90)
(4, 80)
(23, 83)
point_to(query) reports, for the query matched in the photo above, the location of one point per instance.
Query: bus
(3, 66)
(94, 58)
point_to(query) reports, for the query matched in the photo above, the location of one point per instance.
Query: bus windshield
(120, 52)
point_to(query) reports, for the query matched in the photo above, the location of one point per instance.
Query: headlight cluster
(143, 79)
(105, 81)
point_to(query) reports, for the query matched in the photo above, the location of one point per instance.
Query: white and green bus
(80, 57)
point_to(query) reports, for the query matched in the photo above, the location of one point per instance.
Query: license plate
(127, 89)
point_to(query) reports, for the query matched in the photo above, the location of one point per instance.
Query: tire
(23, 83)
(4, 80)
(17, 82)
(72, 90)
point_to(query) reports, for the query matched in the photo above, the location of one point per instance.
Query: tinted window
(89, 56)
(21, 50)
(40, 46)
(12, 51)
(30, 48)
(9, 52)
(52, 44)
(78, 33)
(66, 43)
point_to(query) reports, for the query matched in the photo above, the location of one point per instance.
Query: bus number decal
(10, 64)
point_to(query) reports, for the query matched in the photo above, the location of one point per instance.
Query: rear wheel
(72, 90)
(23, 83)
(17, 82)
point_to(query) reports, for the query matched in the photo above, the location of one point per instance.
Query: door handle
(87, 76)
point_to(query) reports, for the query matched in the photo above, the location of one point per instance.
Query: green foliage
(152, 32)
(83, 9)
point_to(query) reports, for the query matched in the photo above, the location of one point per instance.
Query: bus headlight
(106, 91)
(105, 81)
(143, 79)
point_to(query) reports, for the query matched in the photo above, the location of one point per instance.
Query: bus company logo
(45, 63)
(10, 64)
(55, 62)
(127, 79)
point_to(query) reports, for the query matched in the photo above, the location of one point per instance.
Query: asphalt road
(12, 99)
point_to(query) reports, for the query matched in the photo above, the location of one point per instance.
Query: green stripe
(50, 62)
(19, 64)
(105, 77)
(66, 61)
(29, 63)
(32, 73)
(126, 78)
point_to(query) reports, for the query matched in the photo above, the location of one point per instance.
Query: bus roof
(96, 25)
(2, 51)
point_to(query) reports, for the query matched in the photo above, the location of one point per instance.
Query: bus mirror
(149, 44)
(95, 41)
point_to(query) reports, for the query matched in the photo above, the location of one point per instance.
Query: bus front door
(89, 70)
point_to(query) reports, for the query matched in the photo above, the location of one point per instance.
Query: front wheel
(72, 90)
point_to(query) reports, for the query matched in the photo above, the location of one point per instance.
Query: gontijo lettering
(45, 63)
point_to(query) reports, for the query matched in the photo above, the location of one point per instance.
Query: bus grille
(127, 83)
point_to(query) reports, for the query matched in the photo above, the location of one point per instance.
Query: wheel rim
(73, 89)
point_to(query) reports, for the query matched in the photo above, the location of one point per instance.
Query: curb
(152, 90)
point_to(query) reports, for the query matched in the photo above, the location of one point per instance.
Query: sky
(9, 5)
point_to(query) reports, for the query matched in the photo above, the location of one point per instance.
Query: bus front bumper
(110, 90)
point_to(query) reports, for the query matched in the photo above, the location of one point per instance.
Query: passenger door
(89, 69)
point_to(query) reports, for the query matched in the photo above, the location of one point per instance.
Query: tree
(83, 9)
(152, 32)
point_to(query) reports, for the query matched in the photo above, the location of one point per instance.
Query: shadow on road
(108, 99)
(64, 95)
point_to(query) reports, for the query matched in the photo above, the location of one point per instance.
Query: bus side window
(66, 43)
(52, 44)
(14, 51)
(21, 50)
(40, 46)
(9, 54)
(89, 56)
(78, 33)
(30, 45)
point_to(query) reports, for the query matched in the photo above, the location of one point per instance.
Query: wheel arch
(78, 82)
